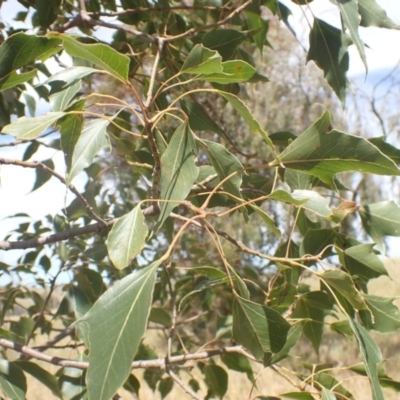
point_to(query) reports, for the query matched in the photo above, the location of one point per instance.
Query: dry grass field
(333, 350)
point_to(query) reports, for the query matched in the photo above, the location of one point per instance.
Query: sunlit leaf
(178, 170)
(232, 71)
(30, 128)
(60, 100)
(386, 314)
(114, 327)
(15, 79)
(93, 138)
(127, 238)
(202, 61)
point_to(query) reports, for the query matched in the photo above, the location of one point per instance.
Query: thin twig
(149, 98)
(72, 188)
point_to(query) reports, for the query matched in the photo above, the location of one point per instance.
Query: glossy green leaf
(216, 379)
(246, 114)
(380, 220)
(114, 327)
(30, 128)
(12, 380)
(225, 164)
(43, 376)
(343, 283)
(127, 238)
(14, 79)
(60, 100)
(70, 129)
(323, 153)
(178, 170)
(386, 314)
(372, 14)
(371, 356)
(306, 199)
(202, 61)
(104, 56)
(21, 49)
(328, 48)
(224, 41)
(232, 71)
(361, 261)
(350, 19)
(43, 176)
(93, 138)
(71, 75)
(258, 328)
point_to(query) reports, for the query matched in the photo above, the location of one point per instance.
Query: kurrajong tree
(159, 235)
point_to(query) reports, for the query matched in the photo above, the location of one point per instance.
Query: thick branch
(156, 363)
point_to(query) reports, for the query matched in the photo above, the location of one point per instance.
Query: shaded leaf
(30, 128)
(12, 380)
(386, 314)
(178, 170)
(328, 48)
(239, 363)
(216, 379)
(127, 238)
(224, 41)
(43, 176)
(387, 149)
(71, 75)
(269, 222)
(258, 328)
(198, 118)
(93, 138)
(257, 24)
(60, 100)
(114, 327)
(372, 14)
(324, 153)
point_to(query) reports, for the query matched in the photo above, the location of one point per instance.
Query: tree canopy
(193, 219)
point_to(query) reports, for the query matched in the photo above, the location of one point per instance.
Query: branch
(72, 188)
(156, 363)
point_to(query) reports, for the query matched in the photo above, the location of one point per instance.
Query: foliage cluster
(157, 237)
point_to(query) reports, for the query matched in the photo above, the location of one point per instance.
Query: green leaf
(232, 71)
(43, 376)
(14, 79)
(20, 49)
(361, 261)
(30, 128)
(372, 14)
(60, 100)
(93, 138)
(72, 383)
(224, 41)
(104, 56)
(327, 394)
(313, 307)
(178, 170)
(380, 220)
(257, 24)
(269, 222)
(71, 75)
(258, 328)
(323, 153)
(12, 380)
(306, 199)
(70, 129)
(298, 396)
(202, 61)
(165, 386)
(225, 164)
(47, 12)
(371, 356)
(316, 240)
(127, 238)
(350, 18)
(328, 48)
(43, 176)
(198, 118)
(386, 314)
(216, 379)
(238, 362)
(329, 382)
(114, 327)
(160, 316)
(343, 283)
(246, 114)
(387, 149)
